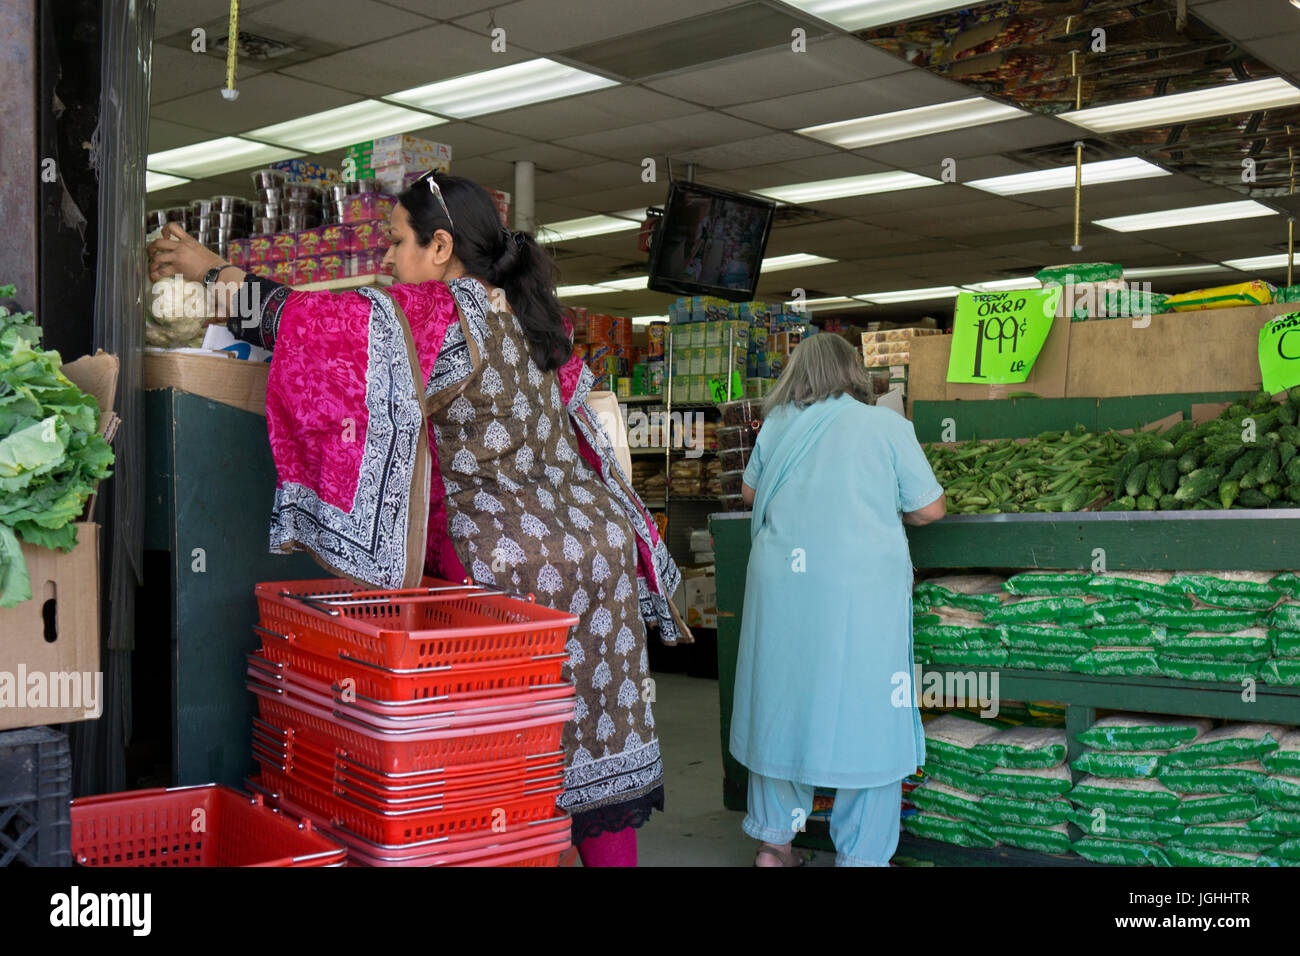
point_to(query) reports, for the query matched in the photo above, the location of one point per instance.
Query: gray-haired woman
(823, 681)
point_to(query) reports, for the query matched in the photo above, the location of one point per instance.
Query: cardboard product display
(215, 375)
(700, 596)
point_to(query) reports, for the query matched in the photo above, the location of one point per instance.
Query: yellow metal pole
(1078, 155)
(232, 53)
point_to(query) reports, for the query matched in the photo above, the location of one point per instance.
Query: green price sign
(718, 387)
(1279, 353)
(996, 336)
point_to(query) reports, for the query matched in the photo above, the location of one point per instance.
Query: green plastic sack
(1285, 760)
(1203, 619)
(921, 654)
(1288, 583)
(1229, 744)
(1128, 798)
(1232, 836)
(1286, 822)
(1215, 808)
(950, 741)
(1048, 584)
(1115, 827)
(1137, 634)
(1020, 659)
(1244, 777)
(1151, 588)
(1285, 643)
(1120, 852)
(925, 620)
(935, 826)
(998, 808)
(1031, 784)
(1059, 640)
(1132, 764)
(1129, 732)
(971, 592)
(1243, 590)
(1079, 273)
(1119, 661)
(1184, 856)
(1286, 850)
(950, 635)
(1248, 645)
(1121, 304)
(968, 656)
(1098, 613)
(1054, 840)
(1038, 610)
(1025, 748)
(1280, 792)
(934, 796)
(1286, 617)
(1228, 672)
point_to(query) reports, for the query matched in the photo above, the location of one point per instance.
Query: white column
(525, 215)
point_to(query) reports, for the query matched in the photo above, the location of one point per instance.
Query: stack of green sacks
(1218, 626)
(1170, 791)
(988, 784)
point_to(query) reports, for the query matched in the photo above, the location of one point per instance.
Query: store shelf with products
(348, 283)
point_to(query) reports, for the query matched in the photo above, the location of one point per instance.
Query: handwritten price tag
(996, 336)
(1279, 353)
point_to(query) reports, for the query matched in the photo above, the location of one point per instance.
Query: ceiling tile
(337, 22)
(1249, 21)
(830, 62)
(468, 140)
(924, 154)
(406, 61)
(665, 136)
(547, 156)
(770, 148)
(486, 172)
(611, 108)
(265, 99)
(446, 9)
(594, 178)
(176, 73)
(542, 26)
(164, 135)
(174, 16)
(631, 197)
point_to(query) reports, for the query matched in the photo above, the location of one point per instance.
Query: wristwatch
(212, 274)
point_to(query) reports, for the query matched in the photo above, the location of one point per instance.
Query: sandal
(788, 857)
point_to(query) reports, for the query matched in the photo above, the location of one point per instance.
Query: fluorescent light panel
(1181, 107)
(1152, 272)
(906, 124)
(631, 284)
(344, 125)
(505, 88)
(1106, 171)
(584, 227)
(1186, 216)
(1004, 285)
(216, 156)
(861, 14)
(156, 181)
(793, 261)
(640, 321)
(1258, 262)
(572, 291)
(911, 295)
(847, 186)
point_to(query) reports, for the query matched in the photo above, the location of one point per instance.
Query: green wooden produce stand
(1175, 541)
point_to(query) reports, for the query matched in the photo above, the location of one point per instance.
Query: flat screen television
(710, 242)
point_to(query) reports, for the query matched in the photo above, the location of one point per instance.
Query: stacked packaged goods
(397, 161)
(418, 727)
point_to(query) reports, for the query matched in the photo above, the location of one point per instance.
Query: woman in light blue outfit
(824, 692)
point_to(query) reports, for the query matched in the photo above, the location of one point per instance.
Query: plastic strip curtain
(99, 746)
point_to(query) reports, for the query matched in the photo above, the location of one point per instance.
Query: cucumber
(1146, 503)
(1253, 498)
(1285, 452)
(1169, 475)
(1228, 492)
(1268, 466)
(1136, 481)
(1154, 488)
(1169, 503)
(1199, 483)
(1272, 489)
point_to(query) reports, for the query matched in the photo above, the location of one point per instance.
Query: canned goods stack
(419, 727)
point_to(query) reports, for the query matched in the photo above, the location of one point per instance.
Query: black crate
(35, 790)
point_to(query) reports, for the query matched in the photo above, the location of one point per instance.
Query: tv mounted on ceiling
(710, 242)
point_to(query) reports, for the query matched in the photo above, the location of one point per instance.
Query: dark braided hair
(488, 250)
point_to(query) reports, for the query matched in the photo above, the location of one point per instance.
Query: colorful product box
(620, 330)
(365, 206)
(712, 334)
(259, 250)
(333, 265)
(237, 252)
(365, 236)
(775, 364)
(284, 247)
(306, 269)
(654, 383)
(366, 263)
(283, 271)
(309, 242)
(697, 361)
(502, 199)
(333, 238)
(700, 389)
(714, 360)
(299, 169)
(681, 388)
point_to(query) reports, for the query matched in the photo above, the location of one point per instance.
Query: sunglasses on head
(433, 188)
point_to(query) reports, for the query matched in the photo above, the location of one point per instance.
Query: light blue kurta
(824, 691)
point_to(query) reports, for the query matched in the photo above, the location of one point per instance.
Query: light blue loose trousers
(864, 823)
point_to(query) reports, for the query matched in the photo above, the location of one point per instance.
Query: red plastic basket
(369, 681)
(529, 844)
(401, 630)
(421, 752)
(210, 825)
(347, 815)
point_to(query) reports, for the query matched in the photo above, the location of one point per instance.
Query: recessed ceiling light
(847, 186)
(1106, 171)
(156, 181)
(505, 88)
(1151, 272)
(911, 295)
(906, 124)
(572, 291)
(1187, 216)
(1245, 97)
(861, 14)
(216, 156)
(830, 302)
(626, 285)
(1258, 262)
(1004, 285)
(344, 126)
(793, 261)
(584, 227)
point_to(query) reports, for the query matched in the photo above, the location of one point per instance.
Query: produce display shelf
(1263, 539)
(346, 284)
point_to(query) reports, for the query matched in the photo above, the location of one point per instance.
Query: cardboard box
(54, 635)
(700, 595)
(217, 375)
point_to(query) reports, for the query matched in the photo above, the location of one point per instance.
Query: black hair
(489, 251)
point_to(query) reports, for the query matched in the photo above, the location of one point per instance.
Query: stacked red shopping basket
(419, 727)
